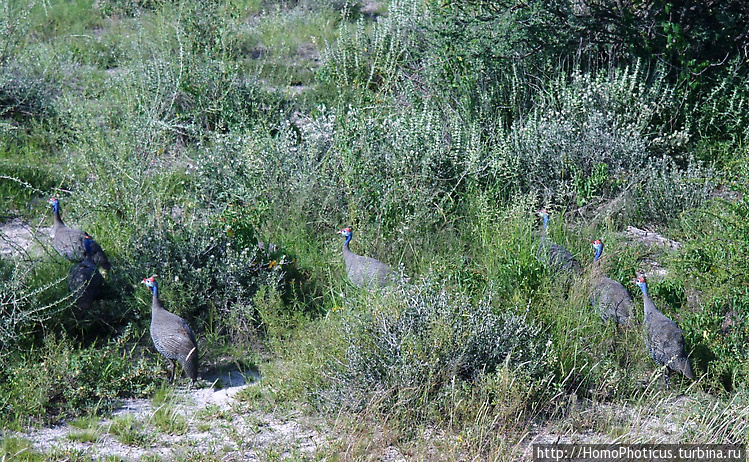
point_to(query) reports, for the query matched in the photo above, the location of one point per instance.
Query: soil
(21, 239)
(218, 424)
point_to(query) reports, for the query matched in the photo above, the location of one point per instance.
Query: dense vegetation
(183, 134)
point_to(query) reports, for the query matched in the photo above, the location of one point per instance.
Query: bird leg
(666, 381)
(171, 370)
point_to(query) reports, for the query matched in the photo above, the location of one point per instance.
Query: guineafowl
(365, 271)
(554, 255)
(612, 300)
(84, 280)
(69, 241)
(664, 340)
(172, 336)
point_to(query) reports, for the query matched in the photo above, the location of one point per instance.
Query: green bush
(713, 263)
(19, 449)
(404, 350)
(23, 97)
(663, 191)
(62, 380)
(720, 116)
(370, 60)
(133, 8)
(205, 275)
(594, 134)
(29, 299)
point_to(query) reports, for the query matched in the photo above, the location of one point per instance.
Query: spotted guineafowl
(609, 297)
(84, 280)
(554, 255)
(172, 336)
(664, 340)
(69, 241)
(365, 271)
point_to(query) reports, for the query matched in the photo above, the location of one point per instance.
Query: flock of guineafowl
(175, 340)
(664, 340)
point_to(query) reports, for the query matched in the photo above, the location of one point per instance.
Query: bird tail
(191, 364)
(688, 370)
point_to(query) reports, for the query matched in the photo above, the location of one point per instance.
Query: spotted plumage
(365, 271)
(84, 280)
(69, 242)
(663, 340)
(171, 335)
(609, 297)
(553, 255)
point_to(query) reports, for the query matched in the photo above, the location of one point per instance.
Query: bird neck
(154, 290)
(348, 239)
(598, 254)
(156, 302)
(58, 220)
(546, 221)
(644, 289)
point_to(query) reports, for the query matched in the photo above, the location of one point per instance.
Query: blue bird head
(151, 284)
(544, 215)
(598, 245)
(642, 283)
(87, 240)
(54, 203)
(347, 233)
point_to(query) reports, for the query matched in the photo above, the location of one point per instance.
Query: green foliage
(469, 59)
(130, 431)
(23, 97)
(86, 429)
(504, 248)
(28, 300)
(20, 450)
(722, 114)
(694, 41)
(63, 380)
(204, 277)
(714, 262)
(167, 417)
(370, 60)
(191, 139)
(25, 170)
(664, 191)
(53, 18)
(86, 435)
(586, 187)
(406, 349)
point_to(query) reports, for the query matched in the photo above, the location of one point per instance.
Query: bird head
(87, 240)
(544, 215)
(54, 203)
(151, 284)
(347, 233)
(598, 245)
(642, 284)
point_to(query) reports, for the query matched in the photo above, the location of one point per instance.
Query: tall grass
(184, 157)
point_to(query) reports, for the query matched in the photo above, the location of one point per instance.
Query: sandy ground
(21, 239)
(218, 425)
